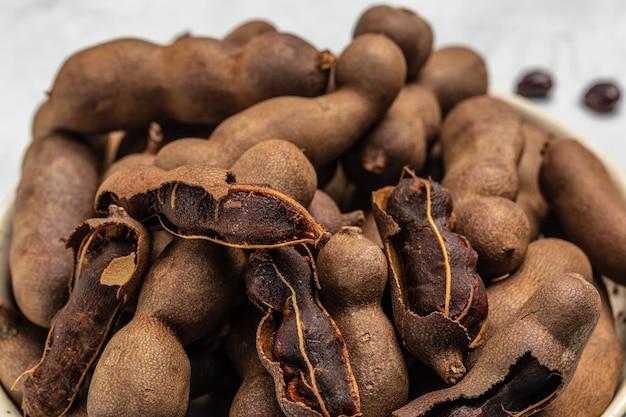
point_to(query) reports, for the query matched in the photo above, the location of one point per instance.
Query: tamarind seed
(602, 97)
(535, 84)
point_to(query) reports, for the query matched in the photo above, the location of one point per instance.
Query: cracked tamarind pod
(186, 294)
(193, 80)
(481, 143)
(55, 193)
(438, 300)
(201, 201)
(528, 363)
(599, 366)
(369, 72)
(353, 276)
(111, 256)
(297, 341)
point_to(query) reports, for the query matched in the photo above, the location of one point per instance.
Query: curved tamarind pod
(206, 202)
(369, 72)
(111, 256)
(438, 300)
(527, 364)
(55, 193)
(297, 340)
(193, 80)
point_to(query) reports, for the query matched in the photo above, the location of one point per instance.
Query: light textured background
(580, 41)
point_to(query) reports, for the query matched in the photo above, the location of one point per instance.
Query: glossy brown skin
(128, 83)
(370, 72)
(55, 193)
(588, 204)
(411, 32)
(454, 73)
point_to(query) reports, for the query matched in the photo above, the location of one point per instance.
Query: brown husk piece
(527, 364)
(298, 342)
(202, 201)
(438, 299)
(110, 260)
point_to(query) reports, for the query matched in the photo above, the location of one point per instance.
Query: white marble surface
(580, 41)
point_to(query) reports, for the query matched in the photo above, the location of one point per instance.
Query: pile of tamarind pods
(285, 231)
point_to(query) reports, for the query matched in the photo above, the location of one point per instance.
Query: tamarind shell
(438, 300)
(299, 343)
(196, 201)
(111, 256)
(529, 362)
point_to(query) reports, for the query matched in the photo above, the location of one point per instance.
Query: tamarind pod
(598, 373)
(438, 300)
(481, 142)
(143, 370)
(401, 138)
(454, 73)
(206, 202)
(326, 212)
(353, 275)
(546, 259)
(54, 194)
(410, 31)
(369, 73)
(193, 80)
(527, 364)
(111, 256)
(297, 341)
(588, 204)
(280, 165)
(21, 344)
(186, 294)
(246, 31)
(529, 196)
(256, 396)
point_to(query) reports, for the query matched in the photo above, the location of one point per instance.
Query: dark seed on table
(602, 97)
(535, 84)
